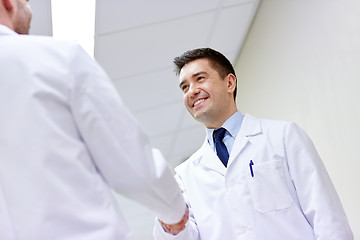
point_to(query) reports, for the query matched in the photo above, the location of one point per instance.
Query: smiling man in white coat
(252, 179)
(67, 141)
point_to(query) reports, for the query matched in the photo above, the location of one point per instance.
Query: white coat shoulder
(268, 127)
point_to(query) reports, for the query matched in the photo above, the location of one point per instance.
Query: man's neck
(219, 122)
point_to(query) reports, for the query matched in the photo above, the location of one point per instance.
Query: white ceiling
(135, 42)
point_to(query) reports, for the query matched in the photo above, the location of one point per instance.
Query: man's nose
(193, 90)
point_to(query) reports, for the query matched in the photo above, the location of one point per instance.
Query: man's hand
(177, 227)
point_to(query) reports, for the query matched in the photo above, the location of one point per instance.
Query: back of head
(217, 60)
(16, 15)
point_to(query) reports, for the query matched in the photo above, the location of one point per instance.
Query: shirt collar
(232, 125)
(4, 30)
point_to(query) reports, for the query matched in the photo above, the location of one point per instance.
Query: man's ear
(8, 4)
(231, 80)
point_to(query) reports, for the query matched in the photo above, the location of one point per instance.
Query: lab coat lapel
(210, 160)
(250, 127)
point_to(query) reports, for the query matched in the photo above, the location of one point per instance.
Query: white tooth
(198, 101)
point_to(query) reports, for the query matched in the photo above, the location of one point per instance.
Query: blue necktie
(220, 146)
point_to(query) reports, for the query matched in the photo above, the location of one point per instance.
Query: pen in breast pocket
(251, 168)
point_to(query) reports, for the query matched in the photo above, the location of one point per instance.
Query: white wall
(41, 22)
(301, 62)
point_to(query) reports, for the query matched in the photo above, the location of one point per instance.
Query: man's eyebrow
(198, 73)
(181, 83)
(193, 76)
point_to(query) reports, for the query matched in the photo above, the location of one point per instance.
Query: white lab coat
(290, 196)
(66, 140)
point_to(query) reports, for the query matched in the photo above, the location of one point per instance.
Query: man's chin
(200, 117)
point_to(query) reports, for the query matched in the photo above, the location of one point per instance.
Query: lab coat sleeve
(191, 232)
(316, 193)
(119, 148)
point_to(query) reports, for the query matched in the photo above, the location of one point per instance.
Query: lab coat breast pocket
(268, 187)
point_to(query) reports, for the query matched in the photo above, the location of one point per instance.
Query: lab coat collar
(211, 160)
(4, 30)
(250, 128)
(207, 157)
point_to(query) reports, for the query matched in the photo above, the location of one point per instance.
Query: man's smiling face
(206, 94)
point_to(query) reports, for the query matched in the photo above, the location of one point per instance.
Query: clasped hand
(177, 227)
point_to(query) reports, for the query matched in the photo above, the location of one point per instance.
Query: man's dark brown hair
(217, 61)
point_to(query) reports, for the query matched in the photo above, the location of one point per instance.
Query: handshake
(176, 227)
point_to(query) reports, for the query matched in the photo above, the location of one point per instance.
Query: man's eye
(184, 87)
